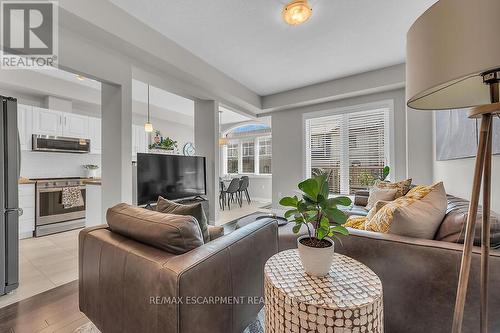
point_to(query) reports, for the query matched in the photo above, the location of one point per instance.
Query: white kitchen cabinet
(25, 125)
(95, 135)
(57, 123)
(27, 203)
(47, 122)
(75, 125)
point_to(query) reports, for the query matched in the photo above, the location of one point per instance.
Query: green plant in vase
(323, 220)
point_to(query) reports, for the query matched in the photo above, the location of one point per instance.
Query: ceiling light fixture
(148, 127)
(297, 12)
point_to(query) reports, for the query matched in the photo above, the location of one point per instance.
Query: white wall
(419, 129)
(178, 132)
(48, 165)
(288, 169)
(457, 175)
(260, 188)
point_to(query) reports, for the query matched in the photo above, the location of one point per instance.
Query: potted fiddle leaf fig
(323, 220)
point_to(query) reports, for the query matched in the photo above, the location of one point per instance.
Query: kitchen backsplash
(48, 165)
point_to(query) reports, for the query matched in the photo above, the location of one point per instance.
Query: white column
(116, 110)
(206, 138)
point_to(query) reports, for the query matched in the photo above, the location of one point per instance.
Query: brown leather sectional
(128, 286)
(420, 276)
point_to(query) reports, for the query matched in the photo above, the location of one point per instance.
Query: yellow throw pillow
(359, 222)
(401, 187)
(356, 222)
(382, 220)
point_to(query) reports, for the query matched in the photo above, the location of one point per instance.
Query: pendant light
(148, 127)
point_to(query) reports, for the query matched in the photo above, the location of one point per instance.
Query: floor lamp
(453, 61)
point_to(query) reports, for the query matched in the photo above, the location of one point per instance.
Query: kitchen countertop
(88, 181)
(92, 181)
(23, 180)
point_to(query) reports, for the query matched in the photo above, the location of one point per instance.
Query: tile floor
(45, 263)
(236, 211)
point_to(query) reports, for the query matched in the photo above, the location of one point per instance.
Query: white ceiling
(66, 85)
(248, 41)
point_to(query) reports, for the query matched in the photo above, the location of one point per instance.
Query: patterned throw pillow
(359, 222)
(401, 187)
(428, 210)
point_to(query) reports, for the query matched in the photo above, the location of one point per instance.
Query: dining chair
(244, 183)
(231, 193)
(222, 194)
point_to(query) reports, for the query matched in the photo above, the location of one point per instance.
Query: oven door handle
(57, 189)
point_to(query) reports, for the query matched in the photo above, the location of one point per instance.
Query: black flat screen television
(169, 176)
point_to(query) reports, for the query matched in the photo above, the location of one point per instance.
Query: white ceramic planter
(316, 261)
(91, 173)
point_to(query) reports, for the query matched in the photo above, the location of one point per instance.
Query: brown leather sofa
(452, 228)
(420, 276)
(128, 286)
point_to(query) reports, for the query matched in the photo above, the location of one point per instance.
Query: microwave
(60, 144)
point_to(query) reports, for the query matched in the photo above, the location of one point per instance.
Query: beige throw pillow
(377, 194)
(402, 187)
(423, 217)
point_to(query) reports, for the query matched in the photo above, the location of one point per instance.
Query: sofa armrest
(361, 197)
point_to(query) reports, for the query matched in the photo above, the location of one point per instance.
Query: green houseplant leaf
(310, 187)
(289, 201)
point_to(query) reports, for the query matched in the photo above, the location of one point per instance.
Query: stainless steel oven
(51, 215)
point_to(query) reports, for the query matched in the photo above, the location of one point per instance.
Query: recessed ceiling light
(80, 77)
(297, 12)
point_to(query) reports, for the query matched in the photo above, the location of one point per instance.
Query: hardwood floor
(55, 310)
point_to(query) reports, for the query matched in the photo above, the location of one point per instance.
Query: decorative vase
(91, 173)
(315, 260)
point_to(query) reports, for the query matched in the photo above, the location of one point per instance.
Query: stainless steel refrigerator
(9, 204)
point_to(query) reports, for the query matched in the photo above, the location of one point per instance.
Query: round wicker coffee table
(348, 300)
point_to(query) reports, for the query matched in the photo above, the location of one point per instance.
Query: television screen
(169, 176)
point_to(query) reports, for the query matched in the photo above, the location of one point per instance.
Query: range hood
(60, 144)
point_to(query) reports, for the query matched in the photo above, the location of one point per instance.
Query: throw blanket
(71, 197)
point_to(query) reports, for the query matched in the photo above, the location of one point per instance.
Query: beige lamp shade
(448, 48)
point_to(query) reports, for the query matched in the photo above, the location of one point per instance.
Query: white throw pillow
(377, 194)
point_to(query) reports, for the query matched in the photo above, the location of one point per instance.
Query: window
(232, 158)
(248, 154)
(265, 155)
(352, 147)
(249, 150)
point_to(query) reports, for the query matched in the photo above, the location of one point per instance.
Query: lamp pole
(482, 172)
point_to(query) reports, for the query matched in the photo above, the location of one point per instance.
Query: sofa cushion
(176, 234)
(376, 194)
(195, 210)
(402, 187)
(418, 214)
(453, 227)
